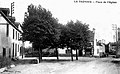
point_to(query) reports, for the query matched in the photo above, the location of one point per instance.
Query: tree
(74, 36)
(65, 38)
(77, 36)
(55, 38)
(39, 27)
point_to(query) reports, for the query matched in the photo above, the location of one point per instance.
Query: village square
(41, 37)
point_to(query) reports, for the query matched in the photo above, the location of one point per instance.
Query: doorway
(4, 52)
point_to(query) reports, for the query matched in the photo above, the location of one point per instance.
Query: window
(18, 48)
(13, 33)
(7, 30)
(16, 35)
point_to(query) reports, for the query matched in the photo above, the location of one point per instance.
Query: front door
(4, 52)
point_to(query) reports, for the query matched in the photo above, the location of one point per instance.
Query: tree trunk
(76, 55)
(57, 54)
(40, 55)
(71, 55)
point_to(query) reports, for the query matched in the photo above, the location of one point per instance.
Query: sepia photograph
(59, 36)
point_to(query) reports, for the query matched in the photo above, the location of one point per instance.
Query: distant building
(27, 44)
(118, 44)
(10, 32)
(118, 34)
(99, 48)
(89, 49)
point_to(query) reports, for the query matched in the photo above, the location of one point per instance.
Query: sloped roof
(9, 21)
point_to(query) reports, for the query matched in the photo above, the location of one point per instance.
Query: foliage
(44, 31)
(74, 35)
(36, 54)
(39, 27)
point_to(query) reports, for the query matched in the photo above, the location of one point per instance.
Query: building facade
(10, 33)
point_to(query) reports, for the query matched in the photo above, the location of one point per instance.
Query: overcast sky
(100, 16)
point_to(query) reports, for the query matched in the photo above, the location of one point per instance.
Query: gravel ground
(84, 65)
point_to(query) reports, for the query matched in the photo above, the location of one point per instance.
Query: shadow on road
(116, 62)
(55, 60)
(66, 60)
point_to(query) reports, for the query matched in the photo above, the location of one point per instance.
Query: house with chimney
(10, 33)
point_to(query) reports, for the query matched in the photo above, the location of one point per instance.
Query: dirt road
(99, 66)
(82, 66)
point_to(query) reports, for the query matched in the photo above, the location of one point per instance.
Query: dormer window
(6, 11)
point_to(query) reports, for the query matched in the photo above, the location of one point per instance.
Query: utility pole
(12, 8)
(93, 40)
(116, 33)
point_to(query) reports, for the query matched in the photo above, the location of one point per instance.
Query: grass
(5, 62)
